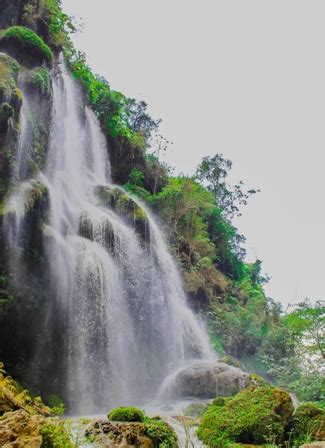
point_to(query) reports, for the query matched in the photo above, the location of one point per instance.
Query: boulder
(19, 429)
(150, 433)
(206, 380)
(254, 416)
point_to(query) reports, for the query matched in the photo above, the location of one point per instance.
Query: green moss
(256, 415)
(40, 79)
(161, 433)
(55, 435)
(25, 40)
(9, 69)
(308, 424)
(157, 430)
(126, 414)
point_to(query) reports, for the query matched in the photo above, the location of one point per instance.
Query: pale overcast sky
(242, 77)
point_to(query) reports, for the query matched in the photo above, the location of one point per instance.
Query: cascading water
(124, 322)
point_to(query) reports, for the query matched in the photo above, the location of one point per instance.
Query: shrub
(126, 414)
(256, 415)
(25, 40)
(55, 436)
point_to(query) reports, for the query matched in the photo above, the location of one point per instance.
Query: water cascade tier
(117, 304)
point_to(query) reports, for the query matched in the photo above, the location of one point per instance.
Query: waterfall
(124, 324)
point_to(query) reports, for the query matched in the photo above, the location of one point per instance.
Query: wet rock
(117, 199)
(20, 429)
(118, 435)
(207, 380)
(104, 233)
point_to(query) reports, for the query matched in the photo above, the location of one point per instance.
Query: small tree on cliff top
(213, 172)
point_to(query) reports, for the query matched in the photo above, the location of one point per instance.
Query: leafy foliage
(213, 172)
(56, 23)
(55, 435)
(294, 353)
(120, 116)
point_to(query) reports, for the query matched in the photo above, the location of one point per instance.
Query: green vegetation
(285, 348)
(120, 116)
(40, 78)
(14, 397)
(9, 69)
(126, 414)
(161, 434)
(256, 415)
(55, 435)
(25, 40)
(308, 424)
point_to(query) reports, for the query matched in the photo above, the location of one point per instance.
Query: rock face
(206, 380)
(117, 199)
(18, 429)
(116, 435)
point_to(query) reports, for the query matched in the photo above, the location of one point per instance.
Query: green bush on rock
(256, 415)
(160, 433)
(126, 414)
(308, 424)
(26, 42)
(55, 435)
(40, 79)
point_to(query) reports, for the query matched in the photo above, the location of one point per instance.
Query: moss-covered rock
(39, 79)
(256, 415)
(308, 424)
(126, 414)
(13, 397)
(130, 427)
(24, 420)
(55, 435)
(25, 46)
(117, 199)
(9, 69)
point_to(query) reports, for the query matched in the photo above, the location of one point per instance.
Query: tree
(213, 172)
(294, 351)
(139, 121)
